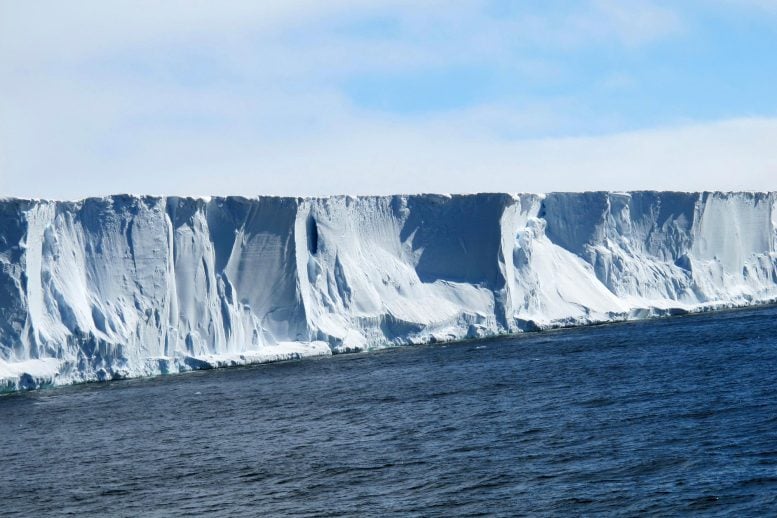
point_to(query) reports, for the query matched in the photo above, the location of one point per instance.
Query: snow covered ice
(125, 286)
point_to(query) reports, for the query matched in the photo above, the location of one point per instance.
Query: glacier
(126, 286)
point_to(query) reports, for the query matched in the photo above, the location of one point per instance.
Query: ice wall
(127, 286)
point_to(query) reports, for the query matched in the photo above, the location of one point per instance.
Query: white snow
(127, 286)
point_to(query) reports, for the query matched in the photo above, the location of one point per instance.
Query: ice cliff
(126, 286)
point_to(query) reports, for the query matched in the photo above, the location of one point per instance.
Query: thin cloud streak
(386, 158)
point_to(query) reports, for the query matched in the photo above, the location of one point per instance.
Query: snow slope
(132, 286)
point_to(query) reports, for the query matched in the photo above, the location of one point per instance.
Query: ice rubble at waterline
(126, 286)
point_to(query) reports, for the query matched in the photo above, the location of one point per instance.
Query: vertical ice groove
(38, 218)
(125, 286)
(773, 199)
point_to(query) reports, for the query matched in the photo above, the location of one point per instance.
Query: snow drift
(128, 286)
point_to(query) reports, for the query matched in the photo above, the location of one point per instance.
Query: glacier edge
(125, 286)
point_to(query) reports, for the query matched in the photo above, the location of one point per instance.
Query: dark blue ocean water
(667, 417)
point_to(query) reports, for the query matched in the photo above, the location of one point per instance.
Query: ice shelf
(125, 286)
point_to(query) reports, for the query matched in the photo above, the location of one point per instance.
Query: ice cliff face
(127, 286)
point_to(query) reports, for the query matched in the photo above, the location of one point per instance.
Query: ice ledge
(50, 372)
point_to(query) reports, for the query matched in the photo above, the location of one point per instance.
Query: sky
(303, 97)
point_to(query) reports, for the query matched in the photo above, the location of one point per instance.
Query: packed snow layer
(129, 286)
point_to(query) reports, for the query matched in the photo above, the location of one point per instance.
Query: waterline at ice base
(127, 286)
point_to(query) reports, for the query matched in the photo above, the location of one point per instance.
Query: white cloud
(95, 98)
(764, 5)
(638, 22)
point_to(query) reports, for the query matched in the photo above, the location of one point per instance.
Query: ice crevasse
(124, 286)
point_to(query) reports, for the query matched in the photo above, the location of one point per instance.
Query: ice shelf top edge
(207, 198)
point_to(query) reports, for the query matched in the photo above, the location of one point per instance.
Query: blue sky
(684, 64)
(308, 97)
